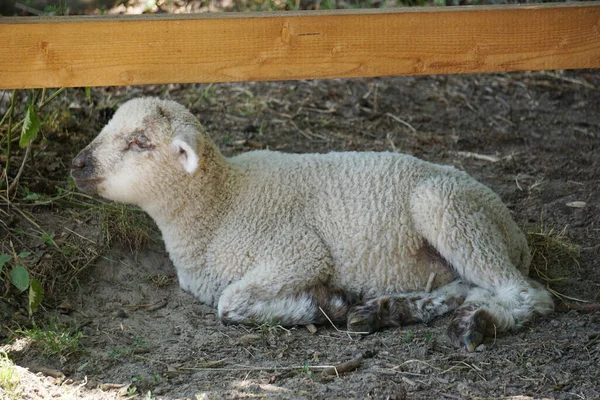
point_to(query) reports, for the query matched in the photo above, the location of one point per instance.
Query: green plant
(20, 278)
(55, 339)
(139, 346)
(408, 336)
(307, 370)
(30, 125)
(9, 379)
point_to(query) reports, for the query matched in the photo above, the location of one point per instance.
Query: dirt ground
(532, 137)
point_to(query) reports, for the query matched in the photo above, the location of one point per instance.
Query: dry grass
(554, 256)
(125, 225)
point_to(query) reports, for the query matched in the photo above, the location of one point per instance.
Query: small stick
(344, 367)
(403, 122)
(29, 9)
(429, 286)
(157, 306)
(340, 331)
(15, 181)
(586, 308)
(47, 371)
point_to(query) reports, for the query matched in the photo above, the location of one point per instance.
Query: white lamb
(295, 239)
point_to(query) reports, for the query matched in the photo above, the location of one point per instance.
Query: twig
(47, 371)
(253, 368)
(29, 9)
(344, 367)
(564, 296)
(81, 236)
(429, 285)
(15, 182)
(403, 122)
(8, 137)
(340, 331)
(570, 80)
(586, 308)
(157, 306)
(469, 154)
(306, 135)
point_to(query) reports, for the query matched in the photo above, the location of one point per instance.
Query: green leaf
(88, 93)
(36, 294)
(3, 259)
(31, 127)
(24, 254)
(48, 239)
(20, 277)
(31, 195)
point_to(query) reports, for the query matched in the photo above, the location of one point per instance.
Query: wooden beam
(154, 49)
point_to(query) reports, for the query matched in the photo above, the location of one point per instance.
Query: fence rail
(154, 49)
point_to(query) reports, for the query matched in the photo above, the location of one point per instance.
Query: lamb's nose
(79, 161)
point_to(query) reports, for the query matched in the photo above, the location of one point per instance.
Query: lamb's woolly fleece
(249, 234)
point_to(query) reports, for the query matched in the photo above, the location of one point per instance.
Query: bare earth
(532, 137)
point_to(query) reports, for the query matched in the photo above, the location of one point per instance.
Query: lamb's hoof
(362, 320)
(472, 341)
(469, 328)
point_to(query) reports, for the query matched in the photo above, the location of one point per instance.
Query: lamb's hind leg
(470, 227)
(397, 310)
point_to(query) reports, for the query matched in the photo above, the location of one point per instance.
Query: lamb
(298, 239)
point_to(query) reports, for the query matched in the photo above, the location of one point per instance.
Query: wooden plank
(154, 49)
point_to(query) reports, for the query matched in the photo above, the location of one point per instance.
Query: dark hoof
(469, 328)
(362, 320)
(472, 340)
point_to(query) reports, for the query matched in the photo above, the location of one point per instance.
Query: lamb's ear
(186, 151)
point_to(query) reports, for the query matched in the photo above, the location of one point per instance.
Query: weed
(269, 328)
(131, 390)
(306, 370)
(125, 224)
(55, 339)
(139, 346)
(408, 336)
(9, 379)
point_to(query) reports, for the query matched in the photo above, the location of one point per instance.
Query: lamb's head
(148, 146)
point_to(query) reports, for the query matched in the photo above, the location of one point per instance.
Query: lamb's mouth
(89, 185)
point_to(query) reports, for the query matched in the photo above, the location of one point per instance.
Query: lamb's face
(147, 147)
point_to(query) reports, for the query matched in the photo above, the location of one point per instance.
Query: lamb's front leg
(251, 302)
(289, 287)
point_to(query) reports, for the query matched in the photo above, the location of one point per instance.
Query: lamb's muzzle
(298, 239)
(82, 171)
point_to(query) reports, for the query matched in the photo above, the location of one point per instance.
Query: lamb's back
(358, 204)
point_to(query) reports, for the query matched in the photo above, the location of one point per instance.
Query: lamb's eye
(139, 142)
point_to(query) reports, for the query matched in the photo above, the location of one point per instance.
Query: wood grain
(154, 49)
